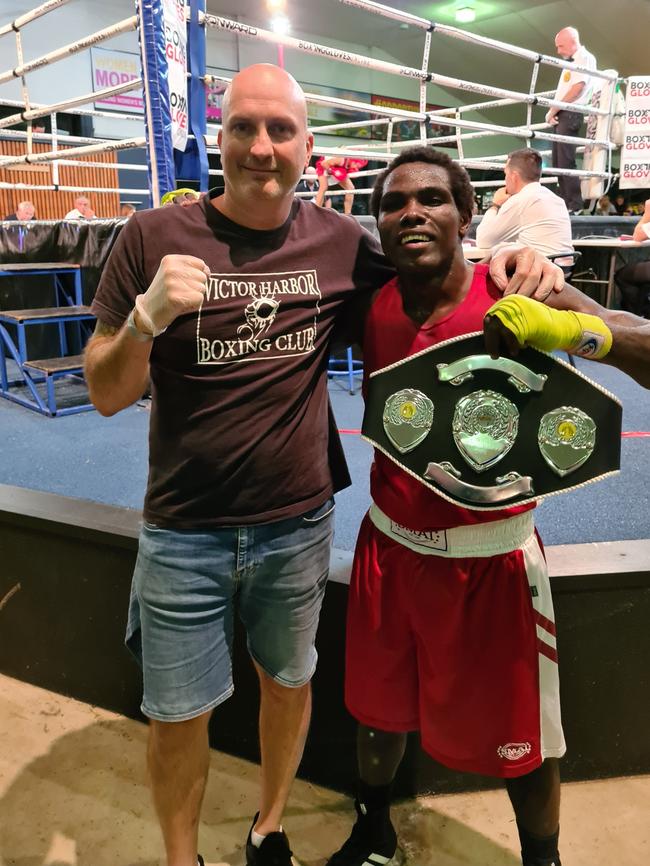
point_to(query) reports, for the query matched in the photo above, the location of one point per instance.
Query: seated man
(82, 209)
(633, 280)
(525, 211)
(24, 212)
(443, 639)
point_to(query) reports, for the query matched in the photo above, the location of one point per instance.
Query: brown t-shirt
(240, 429)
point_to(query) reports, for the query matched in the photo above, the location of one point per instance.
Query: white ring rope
(241, 29)
(464, 129)
(475, 39)
(82, 112)
(381, 116)
(31, 112)
(74, 152)
(125, 26)
(98, 95)
(20, 22)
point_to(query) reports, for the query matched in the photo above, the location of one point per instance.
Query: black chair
(568, 269)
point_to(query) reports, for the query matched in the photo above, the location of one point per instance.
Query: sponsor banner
(176, 51)
(407, 130)
(112, 68)
(635, 153)
(321, 115)
(403, 130)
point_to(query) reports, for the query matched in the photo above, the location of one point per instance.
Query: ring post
(192, 164)
(157, 112)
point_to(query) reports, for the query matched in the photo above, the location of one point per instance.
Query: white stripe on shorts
(550, 721)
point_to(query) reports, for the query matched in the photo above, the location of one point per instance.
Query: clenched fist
(178, 287)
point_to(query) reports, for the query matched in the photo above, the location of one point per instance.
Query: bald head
(265, 145)
(265, 81)
(567, 42)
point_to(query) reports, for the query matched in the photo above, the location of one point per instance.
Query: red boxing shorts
(452, 633)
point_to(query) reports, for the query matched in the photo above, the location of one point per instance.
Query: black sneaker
(274, 850)
(372, 842)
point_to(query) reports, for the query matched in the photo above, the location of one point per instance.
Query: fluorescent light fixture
(465, 15)
(280, 24)
(276, 5)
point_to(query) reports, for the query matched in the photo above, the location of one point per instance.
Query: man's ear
(464, 227)
(219, 137)
(310, 148)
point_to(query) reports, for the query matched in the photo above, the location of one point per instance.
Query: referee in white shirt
(573, 86)
(526, 212)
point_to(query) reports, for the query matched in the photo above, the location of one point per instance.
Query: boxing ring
(178, 138)
(53, 543)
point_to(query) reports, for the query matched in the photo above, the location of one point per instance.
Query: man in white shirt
(576, 87)
(524, 211)
(82, 209)
(633, 279)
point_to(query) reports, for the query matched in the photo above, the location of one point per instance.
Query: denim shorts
(186, 586)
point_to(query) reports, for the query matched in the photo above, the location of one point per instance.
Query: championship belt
(487, 433)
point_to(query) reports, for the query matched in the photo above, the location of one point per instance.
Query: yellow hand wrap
(174, 193)
(535, 324)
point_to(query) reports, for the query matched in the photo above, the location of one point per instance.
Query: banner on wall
(110, 69)
(322, 115)
(635, 153)
(407, 130)
(176, 51)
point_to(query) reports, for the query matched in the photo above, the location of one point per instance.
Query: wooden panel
(54, 204)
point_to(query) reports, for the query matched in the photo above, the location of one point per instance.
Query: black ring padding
(535, 101)
(431, 27)
(429, 77)
(14, 27)
(538, 59)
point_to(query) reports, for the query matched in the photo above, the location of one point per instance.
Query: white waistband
(481, 539)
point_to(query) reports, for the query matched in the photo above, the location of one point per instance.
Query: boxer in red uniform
(454, 639)
(335, 170)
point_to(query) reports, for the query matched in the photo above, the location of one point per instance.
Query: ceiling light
(280, 24)
(276, 5)
(465, 15)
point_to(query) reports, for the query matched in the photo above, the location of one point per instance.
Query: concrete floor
(73, 793)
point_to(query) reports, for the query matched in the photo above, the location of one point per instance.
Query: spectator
(309, 184)
(524, 211)
(82, 209)
(633, 279)
(24, 212)
(621, 205)
(126, 210)
(605, 207)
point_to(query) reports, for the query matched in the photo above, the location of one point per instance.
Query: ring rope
(474, 38)
(55, 108)
(125, 26)
(22, 20)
